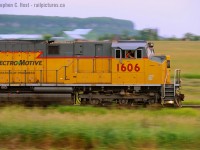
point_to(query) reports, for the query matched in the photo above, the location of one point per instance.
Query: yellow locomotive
(94, 72)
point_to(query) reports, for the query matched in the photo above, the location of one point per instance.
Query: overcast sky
(170, 17)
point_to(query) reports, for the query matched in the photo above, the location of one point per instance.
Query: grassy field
(75, 127)
(185, 55)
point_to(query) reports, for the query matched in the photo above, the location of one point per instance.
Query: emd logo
(20, 63)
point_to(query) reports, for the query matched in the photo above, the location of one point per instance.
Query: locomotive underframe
(118, 94)
(81, 94)
(86, 94)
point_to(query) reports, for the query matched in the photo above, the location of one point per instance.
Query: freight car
(89, 72)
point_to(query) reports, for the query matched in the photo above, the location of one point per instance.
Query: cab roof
(128, 44)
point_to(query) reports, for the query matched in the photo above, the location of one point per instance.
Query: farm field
(75, 127)
(185, 55)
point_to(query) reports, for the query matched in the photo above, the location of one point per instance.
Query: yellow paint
(81, 70)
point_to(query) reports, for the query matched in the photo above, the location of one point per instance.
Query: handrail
(166, 77)
(165, 84)
(65, 67)
(176, 78)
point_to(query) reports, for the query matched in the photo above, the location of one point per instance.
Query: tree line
(147, 34)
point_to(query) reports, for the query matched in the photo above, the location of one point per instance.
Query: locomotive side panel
(82, 62)
(153, 72)
(58, 60)
(157, 71)
(19, 63)
(128, 71)
(92, 63)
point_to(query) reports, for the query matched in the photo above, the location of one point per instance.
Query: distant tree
(196, 38)
(188, 36)
(148, 34)
(47, 37)
(191, 37)
(106, 37)
(173, 38)
(60, 33)
(92, 36)
(125, 35)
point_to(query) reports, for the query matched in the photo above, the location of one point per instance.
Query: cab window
(138, 53)
(129, 54)
(118, 53)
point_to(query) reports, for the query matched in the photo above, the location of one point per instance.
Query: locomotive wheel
(95, 102)
(123, 101)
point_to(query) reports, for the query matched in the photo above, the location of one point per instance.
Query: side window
(123, 54)
(117, 53)
(98, 49)
(129, 54)
(139, 53)
(53, 50)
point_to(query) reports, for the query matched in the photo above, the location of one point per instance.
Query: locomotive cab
(137, 61)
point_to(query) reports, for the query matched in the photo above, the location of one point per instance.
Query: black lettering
(15, 63)
(33, 62)
(22, 62)
(27, 63)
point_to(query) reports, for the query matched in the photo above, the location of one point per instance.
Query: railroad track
(191, 106)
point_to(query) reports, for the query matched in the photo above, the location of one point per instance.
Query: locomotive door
(98, 63)
(98, 58)
(102, 65)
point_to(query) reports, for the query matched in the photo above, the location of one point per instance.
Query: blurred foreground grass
(74, 127)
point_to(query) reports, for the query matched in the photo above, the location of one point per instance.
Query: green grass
(191, 102)
(191, 89)
(191, 76)
(80, 110)
(112, 129)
